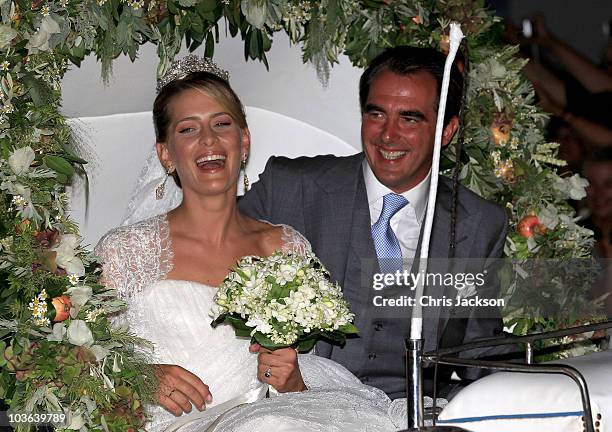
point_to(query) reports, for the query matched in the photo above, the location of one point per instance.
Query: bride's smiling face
(204, 143)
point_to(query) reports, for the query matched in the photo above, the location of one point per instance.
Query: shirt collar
(417, 196)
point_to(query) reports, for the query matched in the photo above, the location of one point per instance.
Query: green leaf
(242, 333)
(233, 29)
(59, 165)
(266, 41)
(132, 51)
(349, 329)
(209, 49)
(38, 91)
(172, 8)
(70, 373)
(307, 345)
(237, 322)
(206, 6)
(77, 54)
(265, 61)
(6, 292)
(197, 27)
(247, 43)
(209, 17)
(63, 179)
(266, 342)
(219, 320)
(75, 159)
(194, 45)
(254, 47)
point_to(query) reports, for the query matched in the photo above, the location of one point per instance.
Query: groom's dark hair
(406, 60)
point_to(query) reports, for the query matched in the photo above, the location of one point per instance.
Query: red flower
(62, 305)
(529, 226)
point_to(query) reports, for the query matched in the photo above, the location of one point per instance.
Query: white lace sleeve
(294, 242)
(135, 256)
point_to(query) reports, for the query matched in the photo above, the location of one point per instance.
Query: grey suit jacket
(325, 199)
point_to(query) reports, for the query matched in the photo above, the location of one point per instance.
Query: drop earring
(161, 189)
(247, 184)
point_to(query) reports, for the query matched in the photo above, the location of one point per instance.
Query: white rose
(308, 291)
(286, 274)
(66, 255)
(79, 334)
(21, 159)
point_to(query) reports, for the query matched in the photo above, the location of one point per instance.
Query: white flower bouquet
(283, 300)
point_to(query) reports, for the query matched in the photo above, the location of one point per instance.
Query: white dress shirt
(406, 223)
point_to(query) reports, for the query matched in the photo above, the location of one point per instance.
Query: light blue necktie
(385, 242)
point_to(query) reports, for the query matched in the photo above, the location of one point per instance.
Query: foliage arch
(80, 364)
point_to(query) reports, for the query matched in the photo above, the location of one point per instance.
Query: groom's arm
(277, 196)
(258, 201)
(487, 322)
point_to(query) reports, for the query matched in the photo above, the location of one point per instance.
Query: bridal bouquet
(283, 300)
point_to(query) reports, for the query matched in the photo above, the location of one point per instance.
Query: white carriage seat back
(119, 144)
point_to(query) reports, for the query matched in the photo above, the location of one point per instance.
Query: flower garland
(60, 352)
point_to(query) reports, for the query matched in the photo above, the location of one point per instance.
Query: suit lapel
(329, 211)
(362, 262)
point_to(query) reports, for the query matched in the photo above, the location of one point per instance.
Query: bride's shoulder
(287, 238)
(275, 237)
(141, 232)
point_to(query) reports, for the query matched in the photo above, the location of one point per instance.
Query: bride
(166, 268)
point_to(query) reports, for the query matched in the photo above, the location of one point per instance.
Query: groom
(362, 213)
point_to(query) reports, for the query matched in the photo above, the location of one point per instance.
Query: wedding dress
(174, 315)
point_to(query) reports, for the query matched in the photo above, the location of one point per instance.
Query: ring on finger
(268, 372)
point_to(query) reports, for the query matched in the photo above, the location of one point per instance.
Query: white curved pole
(416, 327)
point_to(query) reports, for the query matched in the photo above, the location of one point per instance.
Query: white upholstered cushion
(513, 402)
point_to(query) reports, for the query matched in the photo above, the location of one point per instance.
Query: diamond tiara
(179, 69)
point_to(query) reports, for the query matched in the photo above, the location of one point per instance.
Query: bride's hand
(179, 388)
(282, 367)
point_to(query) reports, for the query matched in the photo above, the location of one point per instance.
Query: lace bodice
(137, 255)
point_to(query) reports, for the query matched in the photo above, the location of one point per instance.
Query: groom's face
(398, 126)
